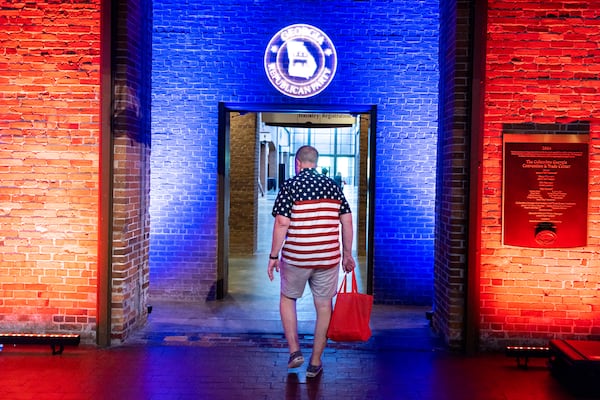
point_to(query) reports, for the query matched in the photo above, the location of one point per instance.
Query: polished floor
(256, 370)
(228, 351)
(234, 349)
(180, 361)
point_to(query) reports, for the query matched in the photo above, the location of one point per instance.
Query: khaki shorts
(322, 282)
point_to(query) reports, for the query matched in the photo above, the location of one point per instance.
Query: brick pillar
(361, 228)
(451, 242)
(131, 167)
(243, 213)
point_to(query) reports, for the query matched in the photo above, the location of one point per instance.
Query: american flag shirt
(313, 203)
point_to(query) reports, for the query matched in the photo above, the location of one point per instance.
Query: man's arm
(347, 235)
(280, 227)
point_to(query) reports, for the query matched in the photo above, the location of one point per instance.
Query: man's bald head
(306, 157)
(307, 154)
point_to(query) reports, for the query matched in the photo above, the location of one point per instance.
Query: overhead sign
(300, 61)
(316, 119)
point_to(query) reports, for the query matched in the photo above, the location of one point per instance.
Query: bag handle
(354, 284)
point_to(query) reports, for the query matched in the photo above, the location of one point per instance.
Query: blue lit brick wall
(205, 52)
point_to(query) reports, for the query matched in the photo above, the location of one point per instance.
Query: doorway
(271, 168)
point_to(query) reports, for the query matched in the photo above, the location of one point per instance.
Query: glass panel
(299, 138)
(325, 162)
(336, 148)
(345, 141)
(345, 166)
(323, 140)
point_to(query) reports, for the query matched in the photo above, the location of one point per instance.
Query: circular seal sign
(545, 234)
(300, 61)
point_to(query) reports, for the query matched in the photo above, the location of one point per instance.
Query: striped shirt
(314, 203)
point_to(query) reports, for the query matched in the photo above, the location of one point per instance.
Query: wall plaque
(545, 190)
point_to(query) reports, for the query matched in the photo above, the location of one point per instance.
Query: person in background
(338, 180)
(305, 248)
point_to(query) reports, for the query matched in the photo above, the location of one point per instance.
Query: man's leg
(289, 320)
(323, 309)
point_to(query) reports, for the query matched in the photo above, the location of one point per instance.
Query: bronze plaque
(545, 190)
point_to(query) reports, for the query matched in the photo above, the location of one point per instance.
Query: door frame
(223, 165)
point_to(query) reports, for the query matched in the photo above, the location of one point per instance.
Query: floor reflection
(296, 383)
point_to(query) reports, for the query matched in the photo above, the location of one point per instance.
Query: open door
(365, 201)
(223, 201)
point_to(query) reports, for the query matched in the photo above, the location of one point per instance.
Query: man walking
(308, 211)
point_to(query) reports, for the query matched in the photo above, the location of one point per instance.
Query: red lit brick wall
(49, 149)
(542, 68)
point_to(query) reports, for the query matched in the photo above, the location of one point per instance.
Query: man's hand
(273, 265)
(348, 263)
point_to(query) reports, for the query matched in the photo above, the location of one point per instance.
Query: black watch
(273, 258)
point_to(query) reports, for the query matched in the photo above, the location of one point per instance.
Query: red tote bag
(351, 315)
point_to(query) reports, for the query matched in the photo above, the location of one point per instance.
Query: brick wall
(541, 70)
(542, 67)
(205, 52)
(49, 135)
